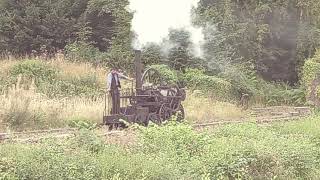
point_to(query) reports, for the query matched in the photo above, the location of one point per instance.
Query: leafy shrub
(83, 85)
(20, 116)
(174, 151)
(311, 70)
(50, 81)
(81, 123)
(49, 161)
(82, 52)
(220, 88)
(281, 94)
(245, 81)
(87, 140)
(261, 91)
(168, 75)
(233, 152)
(35, 69)
(7, 168)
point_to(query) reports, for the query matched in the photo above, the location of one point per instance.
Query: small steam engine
(152, 100)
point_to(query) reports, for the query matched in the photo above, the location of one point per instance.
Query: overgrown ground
(281, 151)
(54, 94)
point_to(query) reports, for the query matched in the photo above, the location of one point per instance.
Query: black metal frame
(145, 104)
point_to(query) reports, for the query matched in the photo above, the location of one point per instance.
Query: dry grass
(200, 109)
(27, 109)
(20, 101)
(44, 112)
(5, 65)
(70, 69)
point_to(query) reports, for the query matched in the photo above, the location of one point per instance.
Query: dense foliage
(50, 81)
(231, 84)
(246, 42)
(47, 26)
(284, 151)
(275, 37)
(310, 75)
(176, 50)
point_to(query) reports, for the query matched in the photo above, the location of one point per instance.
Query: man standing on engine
(113, 87)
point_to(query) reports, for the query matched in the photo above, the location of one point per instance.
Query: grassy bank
(281, 151)
(39, 94)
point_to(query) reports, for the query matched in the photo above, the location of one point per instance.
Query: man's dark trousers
(115, 95)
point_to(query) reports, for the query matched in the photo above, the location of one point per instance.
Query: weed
(174, 151)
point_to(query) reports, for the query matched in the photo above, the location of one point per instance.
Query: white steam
(153, 19)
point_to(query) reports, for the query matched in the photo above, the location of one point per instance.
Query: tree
(152, 53)
(274, 36)
(50, 25)
(29, 25)
(180, 49)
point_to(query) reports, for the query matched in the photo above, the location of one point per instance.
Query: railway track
(36, 136)
(262, 116)
(260, 122)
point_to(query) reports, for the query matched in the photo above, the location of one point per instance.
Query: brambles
(310, 78)
(51, 81)
(175, 151)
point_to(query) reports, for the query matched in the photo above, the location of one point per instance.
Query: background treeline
(45, 26)
(275, 37)
(254, 47)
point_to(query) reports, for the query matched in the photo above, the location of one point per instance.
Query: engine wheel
(154, 118)
(180, 114)
(165, 113)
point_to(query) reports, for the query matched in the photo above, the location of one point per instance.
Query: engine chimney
(138, 66)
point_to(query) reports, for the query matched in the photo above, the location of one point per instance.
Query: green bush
(311, 71)
(234, 151)
(83, 85)
(280, 94)
(7, 168)
(20, 116)
(220, 88)
(175, 151)
(50, 81)
(242, 79)
(82, 52)
(261, 91)
(81, 123)
(35, 69)
(229, 86)
(167, 74)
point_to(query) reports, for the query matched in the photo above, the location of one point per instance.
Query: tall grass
(174, 151)
(23, 109)
(201, 109)
(31, 102)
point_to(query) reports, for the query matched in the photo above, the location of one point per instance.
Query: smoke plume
(153, 19)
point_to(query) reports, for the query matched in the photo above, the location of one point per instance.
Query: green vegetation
(311, 71)
(248, 48)
(229, 86)
(96, 29)
(266, 49)
(274, 37)
(42, 95)
(51, 81)
(218, 87)
(175, 151)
